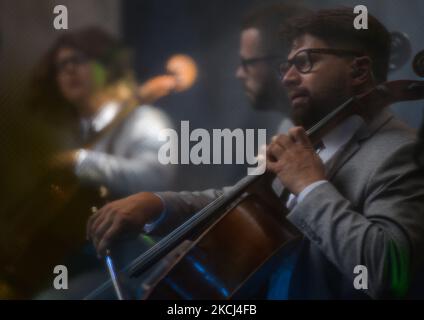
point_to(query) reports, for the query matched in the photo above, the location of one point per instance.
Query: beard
(271, 96)
(310, 112)
(263, 101)
(316, 107)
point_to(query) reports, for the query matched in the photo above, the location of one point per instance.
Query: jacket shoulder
(391, 137)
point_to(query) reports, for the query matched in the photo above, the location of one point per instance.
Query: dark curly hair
(335, 27)
(96, 44)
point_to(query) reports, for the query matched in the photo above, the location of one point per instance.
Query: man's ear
(361, 70)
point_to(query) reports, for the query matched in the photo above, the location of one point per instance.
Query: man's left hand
(293, 159)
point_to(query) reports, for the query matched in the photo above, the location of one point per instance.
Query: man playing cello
(358, 199)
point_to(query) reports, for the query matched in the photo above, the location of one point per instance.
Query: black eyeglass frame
(245, 63)
(75, 59)
(285, 67)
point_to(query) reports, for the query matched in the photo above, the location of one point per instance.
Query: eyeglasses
(245, 63)
(304, 63)
(75, 59)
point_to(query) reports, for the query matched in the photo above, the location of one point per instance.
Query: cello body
(228, 253)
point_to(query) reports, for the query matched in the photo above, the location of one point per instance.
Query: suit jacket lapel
(340, 158)
(365, 132)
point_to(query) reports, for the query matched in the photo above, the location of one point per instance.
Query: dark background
(209, 32)
(156, 29)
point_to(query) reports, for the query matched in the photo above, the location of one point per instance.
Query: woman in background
(84, 89)
(84, 92)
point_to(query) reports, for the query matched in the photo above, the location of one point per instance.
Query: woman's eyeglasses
(74, 60)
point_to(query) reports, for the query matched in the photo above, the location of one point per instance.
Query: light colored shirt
(92, 125)
(284, 126)
(125, 159)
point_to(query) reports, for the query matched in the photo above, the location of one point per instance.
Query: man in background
(261, 51)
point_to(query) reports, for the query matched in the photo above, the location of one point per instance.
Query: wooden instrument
(51, 222)
(215, 253)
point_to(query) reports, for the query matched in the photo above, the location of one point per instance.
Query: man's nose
(291, 77)
(240, 73)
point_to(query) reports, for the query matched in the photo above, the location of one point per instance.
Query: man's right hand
(125, 216)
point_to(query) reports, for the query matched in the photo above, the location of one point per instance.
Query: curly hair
(95, 44)
(335, 27)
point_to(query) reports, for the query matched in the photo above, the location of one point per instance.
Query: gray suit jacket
(371, 213)
(125, 160)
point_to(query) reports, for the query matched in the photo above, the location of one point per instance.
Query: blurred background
(208, 31)
(154, 30)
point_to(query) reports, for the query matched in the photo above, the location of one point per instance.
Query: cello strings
(183, 230)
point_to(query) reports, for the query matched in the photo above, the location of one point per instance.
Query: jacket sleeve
(179, 206)
(138, 169)
(385, 235)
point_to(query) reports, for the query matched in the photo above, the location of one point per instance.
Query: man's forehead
(306, 41)
(251, 40)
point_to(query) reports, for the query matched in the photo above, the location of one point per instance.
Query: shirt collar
(284, 125)
(104, 117)
(339, 136)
